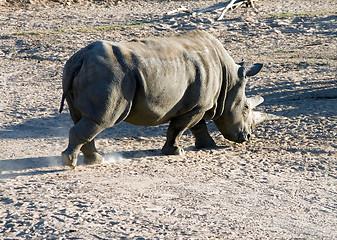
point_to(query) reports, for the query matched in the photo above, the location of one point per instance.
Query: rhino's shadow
(135, 154)
(56, 126)
(139, 154)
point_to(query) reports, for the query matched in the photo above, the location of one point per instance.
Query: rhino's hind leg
(175, 130)
(91, 155)
(82, 133)
(202, 137)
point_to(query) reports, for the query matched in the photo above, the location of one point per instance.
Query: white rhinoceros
(185, 80)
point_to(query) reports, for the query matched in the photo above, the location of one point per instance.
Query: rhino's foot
(209, 143)
(93, 158)
(173, 150)
(69, 159)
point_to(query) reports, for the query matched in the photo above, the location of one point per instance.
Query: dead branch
(229, 5)
(225, 6)
(180, 10)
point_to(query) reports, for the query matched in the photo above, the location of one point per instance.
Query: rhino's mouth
(239, 138)
(230, 138)
(240, 141)
(243, 137)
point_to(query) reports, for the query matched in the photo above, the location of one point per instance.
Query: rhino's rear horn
(254, 101)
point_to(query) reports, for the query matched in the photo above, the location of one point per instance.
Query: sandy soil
(282, 184)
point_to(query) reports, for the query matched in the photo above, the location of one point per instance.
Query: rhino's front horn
(254, 101)
(260, 117)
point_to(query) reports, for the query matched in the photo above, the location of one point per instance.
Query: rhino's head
(239, 119)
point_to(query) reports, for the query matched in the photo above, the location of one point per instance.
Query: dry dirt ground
(282, 184)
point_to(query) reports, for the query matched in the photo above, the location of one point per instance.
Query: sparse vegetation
(81, 29)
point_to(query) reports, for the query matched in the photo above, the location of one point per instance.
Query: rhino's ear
(250, 70)
(241, 63)
(253, 69)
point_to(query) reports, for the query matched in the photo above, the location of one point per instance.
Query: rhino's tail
(71, 68)
(62, 101)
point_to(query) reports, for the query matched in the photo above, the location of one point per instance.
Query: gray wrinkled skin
(183, 80)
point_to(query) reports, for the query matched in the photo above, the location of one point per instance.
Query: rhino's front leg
(171, 145)
(176, 128)
(82, 133)
(202, 137)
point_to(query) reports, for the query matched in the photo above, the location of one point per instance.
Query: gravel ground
(280, 185)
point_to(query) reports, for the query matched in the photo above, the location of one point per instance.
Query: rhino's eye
(245, 111)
